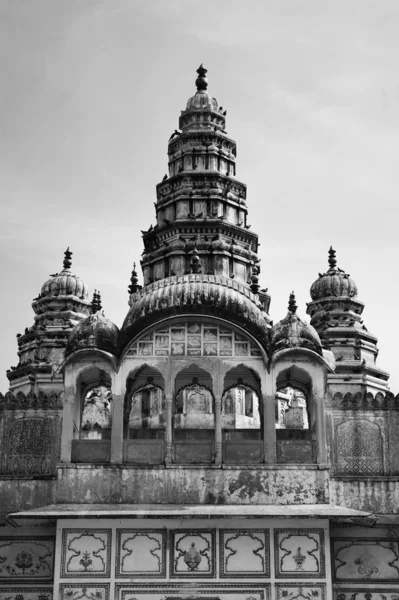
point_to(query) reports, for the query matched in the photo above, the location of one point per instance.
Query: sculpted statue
(96, 414)
(292, 408)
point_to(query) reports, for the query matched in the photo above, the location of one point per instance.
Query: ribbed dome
(65, 283)
(333, 283)
(202, 294)
(201, 100)
(94, 332)
(292, 332)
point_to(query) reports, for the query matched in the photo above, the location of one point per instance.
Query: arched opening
(92, 417)
(295, 417)
(193, 417)
(144, 416)
(242, 416)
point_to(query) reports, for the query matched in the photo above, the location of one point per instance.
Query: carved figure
(96, 414)
(292, 408)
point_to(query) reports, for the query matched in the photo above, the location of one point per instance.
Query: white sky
(92, 89)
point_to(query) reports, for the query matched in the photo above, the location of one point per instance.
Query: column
(67, 423)
(117, 410)
(321, 441)
(168, 432)
(218, 429)
(269, 430)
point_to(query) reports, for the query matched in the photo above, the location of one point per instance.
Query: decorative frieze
(302, 591)
(199, 591)
(362, 560)
(26, 593)
(84, 591)
(26, 559)
(366, 593)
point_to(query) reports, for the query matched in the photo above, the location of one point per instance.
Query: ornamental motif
(26, 559)
(244, 553)
(85, 552)
(193, 553)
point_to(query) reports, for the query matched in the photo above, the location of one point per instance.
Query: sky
(92, 89)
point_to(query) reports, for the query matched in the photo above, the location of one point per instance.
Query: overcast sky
(91, 90)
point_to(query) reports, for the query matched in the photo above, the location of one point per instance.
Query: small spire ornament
(96, 302)
(332, 261)
(134, 286)
(67, 264)
(195, 265)
(292, 306)
(201, 81)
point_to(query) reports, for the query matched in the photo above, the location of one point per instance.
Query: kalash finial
(255, 280)
(96, 302)
(201, 81)
(67, 264)
(332, 261)
(134, 286)
(292, 306)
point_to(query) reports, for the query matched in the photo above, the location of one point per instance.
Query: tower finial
(96, 302)
(332, 261)
(292, 306)
(201, 81)
(255, 279)
(195, 265)
(67, 259)
(134, 286)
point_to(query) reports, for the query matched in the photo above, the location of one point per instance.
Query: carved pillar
(321, 440)
(117, 429)
(68, 425)
(269, 430)
(168, 432)
(218, 430)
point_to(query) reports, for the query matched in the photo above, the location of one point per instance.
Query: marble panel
(366, 593)
(26, 558)
(199, 591)
(300, 591)
(84, 591)
(244, 553)
(141, 552)
(26, 593)
(86, 553)
(299, 553)
(192, 553)
(365, 560)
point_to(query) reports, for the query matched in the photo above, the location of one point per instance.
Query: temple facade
(199, 451)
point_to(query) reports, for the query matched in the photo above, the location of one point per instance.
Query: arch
(144, 404)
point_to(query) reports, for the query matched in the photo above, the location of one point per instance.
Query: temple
(199, 451)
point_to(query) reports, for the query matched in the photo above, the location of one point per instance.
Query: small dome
(65, 283)
(292, 332)
(333, 283)
(201, 98)
(94, 332)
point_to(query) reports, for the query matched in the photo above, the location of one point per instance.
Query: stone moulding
(363, 401)
(21, 401)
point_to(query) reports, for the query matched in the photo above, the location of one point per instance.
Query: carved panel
(299, 553)
(141, 552)
(25, 558)
(197, 591)
(86, 553)
(31, 446)
(302, 591)
(369, 593)
(26, 593)
(359, 448)
(192, 553)
(244, 553)
(365, 560)
(84, 591)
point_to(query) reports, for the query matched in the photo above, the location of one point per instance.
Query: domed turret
(65, 283)
(201, 98)
(292, 332)
(94, 332)
(333, 283)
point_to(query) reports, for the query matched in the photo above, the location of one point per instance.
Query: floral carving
(26, 558)
(192, 558)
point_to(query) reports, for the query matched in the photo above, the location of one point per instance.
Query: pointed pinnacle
(201, 81)
(96, 302)
(292, 306)
(332, 261)
(67, 259)
(133, 287)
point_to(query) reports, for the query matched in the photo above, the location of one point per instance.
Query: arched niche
(194, 416)
(242, 416)
(295, 416)
(92, 416)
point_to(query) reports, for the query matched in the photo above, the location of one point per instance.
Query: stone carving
(31, 446)
(244, 553)
(193, 553)
(299, 553)
(85, 552)
(22, 402)
(141, 552)
(240, 409)
(26, 593)
(304, 591)
(363, 401)
(147, 408)
(23, 558)
(359, 448)
(86, 591)
(96, 415)
(365, 560)
(186, 591)
(196, 404)
(291, 409)
(366, 594)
